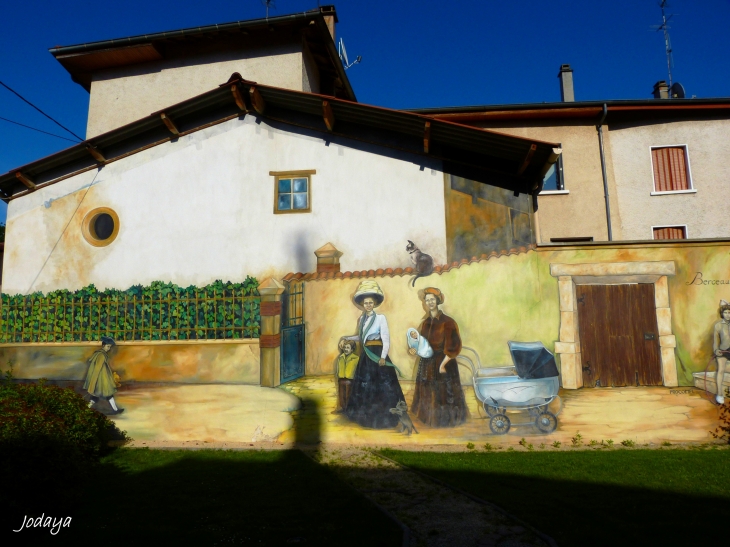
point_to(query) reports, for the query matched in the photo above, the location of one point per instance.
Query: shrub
(49, 440)
(628, 443)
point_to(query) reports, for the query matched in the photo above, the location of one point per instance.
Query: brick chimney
(566, 84)
(661, 90)
(328, 258)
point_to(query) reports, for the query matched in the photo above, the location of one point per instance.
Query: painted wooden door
(619, 338)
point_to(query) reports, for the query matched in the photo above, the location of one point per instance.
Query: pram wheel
(499, 424)
(546, 422)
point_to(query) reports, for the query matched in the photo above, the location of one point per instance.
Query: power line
(39, 110)
(34, 129)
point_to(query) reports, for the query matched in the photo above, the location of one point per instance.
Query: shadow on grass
(620, 498)
(209, 497)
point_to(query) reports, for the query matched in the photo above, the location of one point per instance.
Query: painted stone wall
(167, 362)
(482, 218)
(515, 297)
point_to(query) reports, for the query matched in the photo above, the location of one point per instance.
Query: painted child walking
(100, 378)
(345, 372)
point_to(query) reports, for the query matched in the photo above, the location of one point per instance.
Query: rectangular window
(671, 169)
(553, 180)
(670, 232)
(292, 191)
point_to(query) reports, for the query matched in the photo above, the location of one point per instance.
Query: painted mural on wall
(477, 350)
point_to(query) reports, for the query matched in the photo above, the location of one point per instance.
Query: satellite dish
(677, 91)
(343, 55)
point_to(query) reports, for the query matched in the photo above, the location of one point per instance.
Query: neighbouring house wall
(310, 71)
(582, 211)
(515, 297)
(194, 363)
(120, 96)
(481, 218)
(704, 211)
(201, 208)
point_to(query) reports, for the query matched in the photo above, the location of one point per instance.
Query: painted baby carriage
(531, 384)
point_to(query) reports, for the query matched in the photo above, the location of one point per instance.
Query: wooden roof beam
(240, 103)
(25, 180)
(170, 125)
(426, 137)
(528, 158)
(328, 115)
(257, 101)
(96, 153)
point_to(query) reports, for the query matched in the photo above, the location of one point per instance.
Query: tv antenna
(664, 27)
(268, 4)
(342, 52)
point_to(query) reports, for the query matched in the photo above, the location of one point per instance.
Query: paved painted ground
(228, 414)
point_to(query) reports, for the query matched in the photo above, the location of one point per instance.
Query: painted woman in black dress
(375, 387)
(438, 400)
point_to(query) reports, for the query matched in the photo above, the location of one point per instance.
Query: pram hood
(532, 360)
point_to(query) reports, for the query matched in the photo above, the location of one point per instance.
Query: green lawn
(207, 497)
(617, 497)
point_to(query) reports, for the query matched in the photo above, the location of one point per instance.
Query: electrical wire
(39, 110)
(34, 129)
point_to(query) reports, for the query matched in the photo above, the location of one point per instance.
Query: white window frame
(691, 190)
(686, 231)
(561, 178)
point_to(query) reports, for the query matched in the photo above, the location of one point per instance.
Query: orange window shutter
(670, 169)
(670, 232)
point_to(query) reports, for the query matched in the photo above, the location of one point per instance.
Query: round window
(100, 226)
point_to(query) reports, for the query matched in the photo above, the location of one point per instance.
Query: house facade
(664, 165)
(131, 77)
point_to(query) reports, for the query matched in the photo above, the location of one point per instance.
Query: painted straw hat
(368, 287)
(434, 291)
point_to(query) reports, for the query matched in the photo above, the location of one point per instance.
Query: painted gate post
(270, 338)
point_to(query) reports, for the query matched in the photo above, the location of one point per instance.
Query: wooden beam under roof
(528, 158)
(426, 137)
(96, 153)
(257, 101)
(240, 103)
(25, 180)
(328, 115)
(170, 125)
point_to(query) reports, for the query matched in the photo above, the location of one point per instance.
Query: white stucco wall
(201, 209)
(122, 95)
(704, 212)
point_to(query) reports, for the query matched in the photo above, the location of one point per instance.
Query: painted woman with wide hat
(375, 387)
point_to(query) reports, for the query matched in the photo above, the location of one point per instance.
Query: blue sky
(416, 53)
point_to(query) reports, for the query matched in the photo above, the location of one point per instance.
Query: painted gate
(292, 332)
(619, 335)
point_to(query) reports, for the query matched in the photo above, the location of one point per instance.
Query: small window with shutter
(670, 232)
(671, 169)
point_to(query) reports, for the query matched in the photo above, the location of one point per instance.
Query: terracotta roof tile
(380, 272)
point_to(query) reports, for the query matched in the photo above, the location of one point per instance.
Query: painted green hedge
(160, 311)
